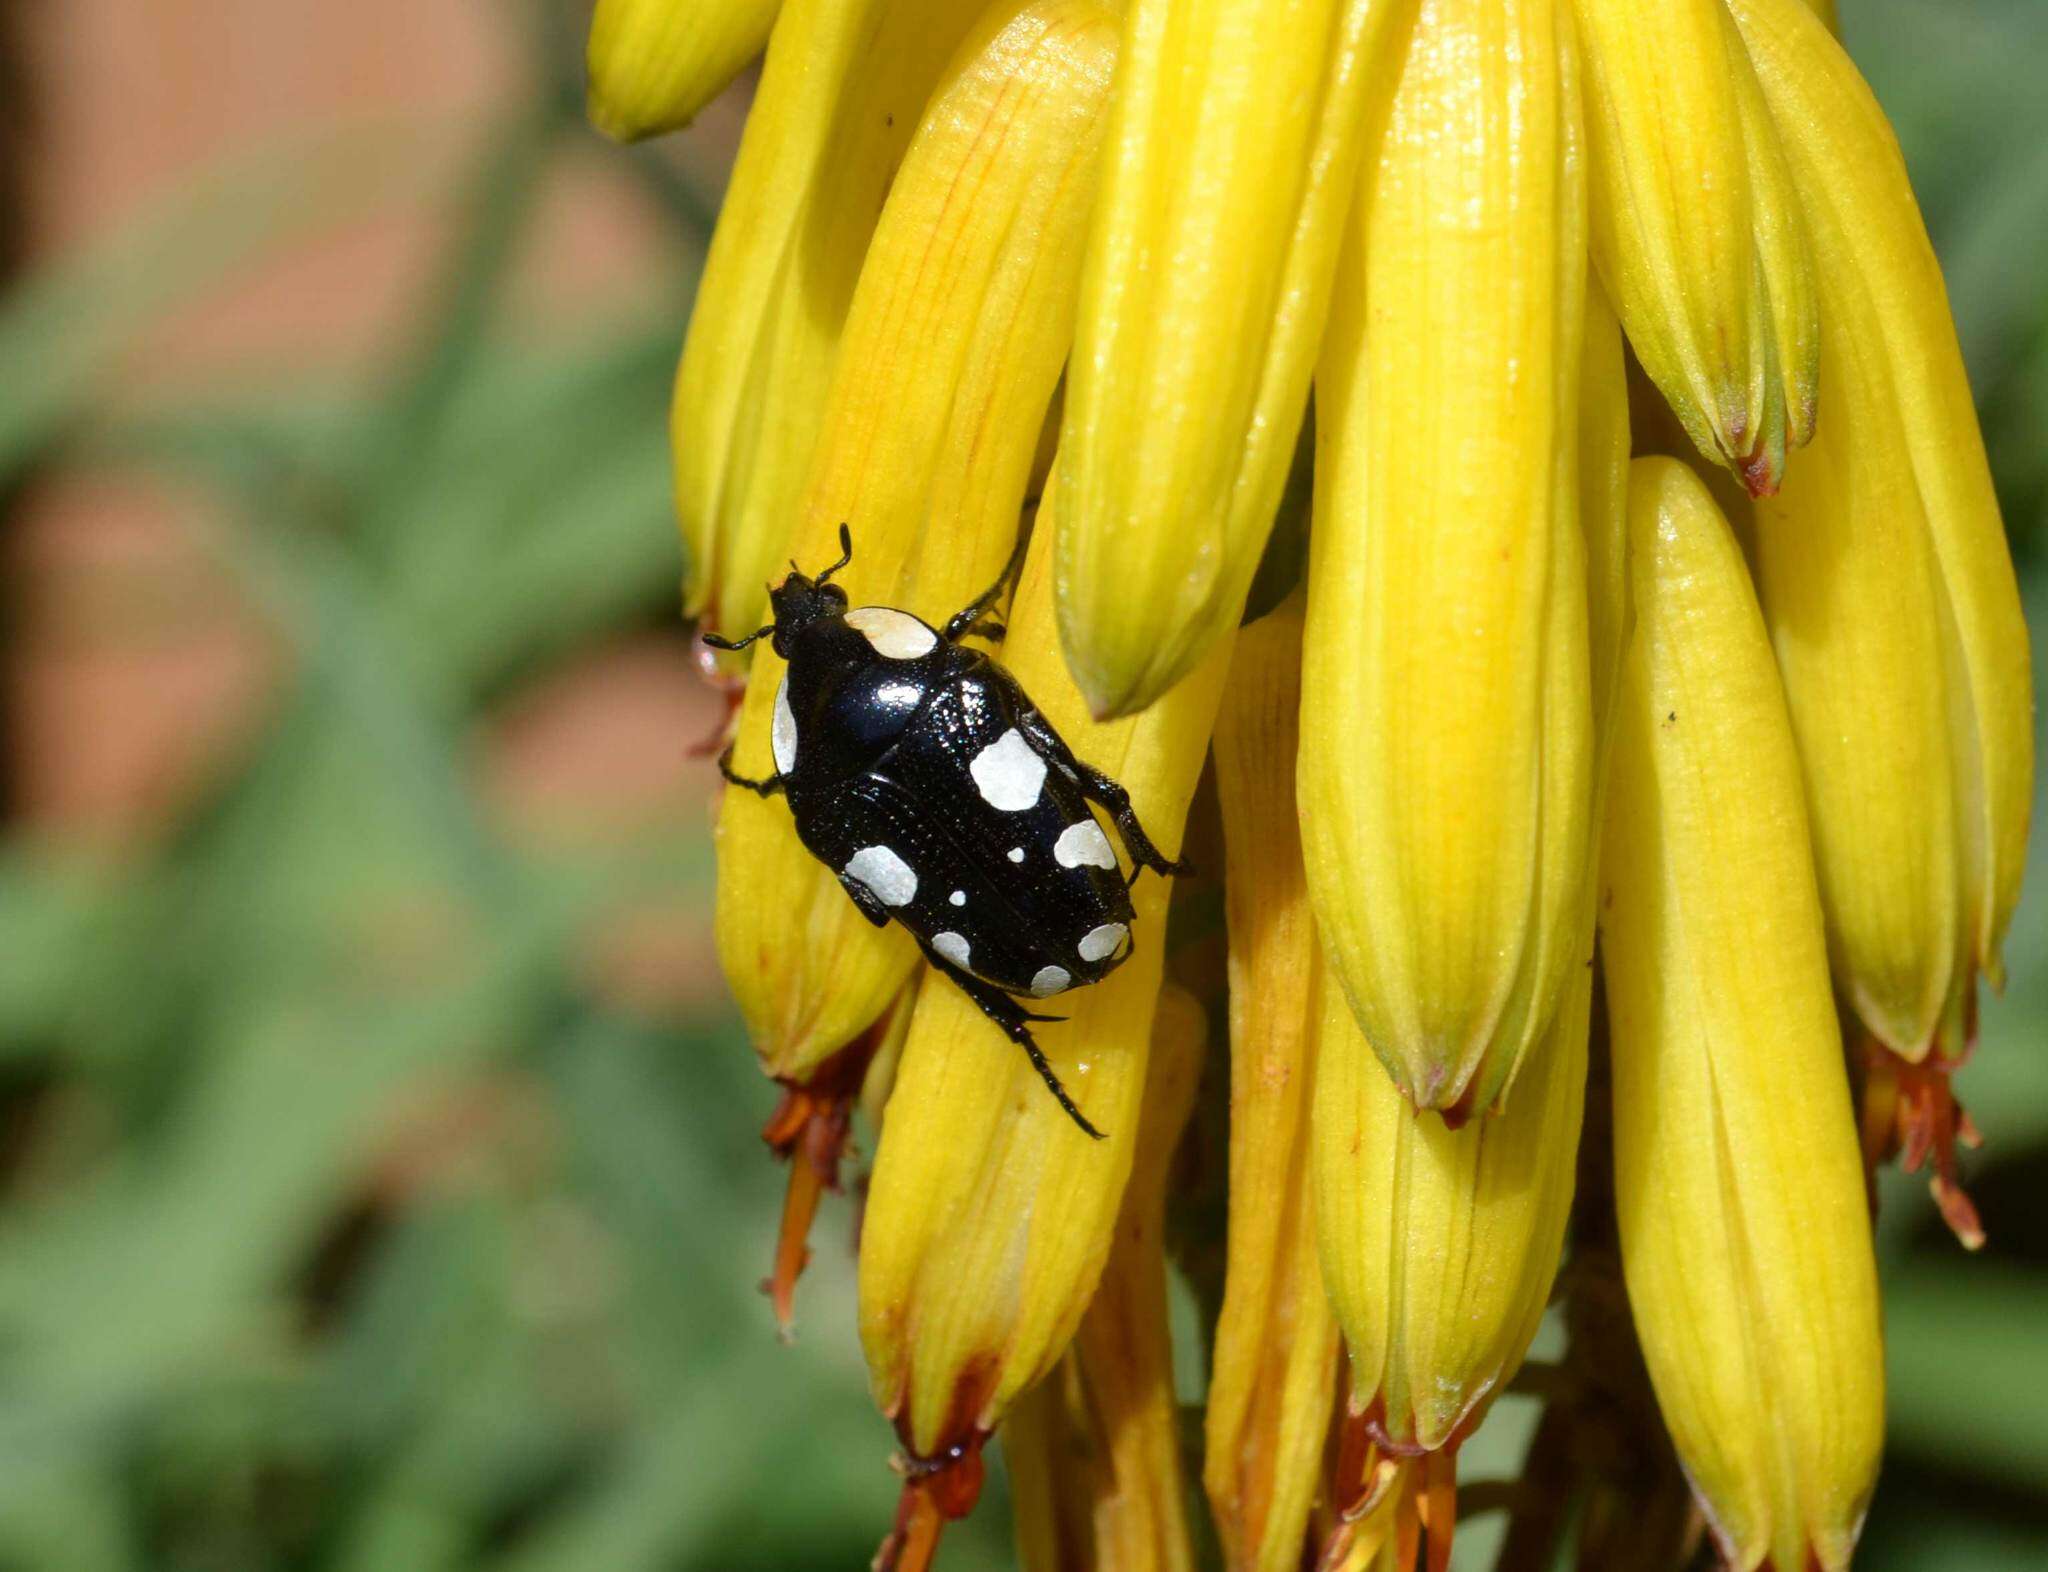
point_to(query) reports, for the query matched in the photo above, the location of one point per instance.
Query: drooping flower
(1076, 269)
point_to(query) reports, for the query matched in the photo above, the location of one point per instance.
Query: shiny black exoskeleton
(922, 774)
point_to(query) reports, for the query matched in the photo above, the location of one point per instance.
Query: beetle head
(797, 602)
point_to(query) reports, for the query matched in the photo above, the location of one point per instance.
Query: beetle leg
(763, 788)
(964, 620)
(863, 897)
(1098, 787)
(1011, 1016)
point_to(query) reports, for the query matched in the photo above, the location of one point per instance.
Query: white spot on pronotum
(1099, 944)
(1016, 854)
(1083, 843)
(1049, 980)
(1008, 773)
(895, 634)
(958, 897)
(782, 730)
(881, 870)
(953, 946)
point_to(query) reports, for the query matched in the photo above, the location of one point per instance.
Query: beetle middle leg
(963, 621)
(1098, 787)
(1012, 1017)
(760, 788)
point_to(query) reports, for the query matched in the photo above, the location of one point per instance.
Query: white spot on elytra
(1098, 944)
(1083, 843)
(1016, 854)
(782, 730)
(1050, 980)
(958, 897)
(881, 870)
(953, 946)
(1008, 773)
(895, 634)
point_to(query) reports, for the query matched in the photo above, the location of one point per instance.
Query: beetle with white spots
(923, 776)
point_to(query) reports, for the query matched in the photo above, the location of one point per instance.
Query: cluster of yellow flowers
(1706, 664)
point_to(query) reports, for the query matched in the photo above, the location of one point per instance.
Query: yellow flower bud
(1446, 762)
(845, 85)
(654, 63)
(1693, 228)
(1094, 1449)
(952, 350)
(1439, 1245)
(1739, 1193)
(1234, 142)
(1273, 1363)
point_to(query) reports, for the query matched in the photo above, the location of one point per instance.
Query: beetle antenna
(717, 643)
(845, 554)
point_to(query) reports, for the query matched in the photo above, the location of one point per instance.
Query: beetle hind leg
(1100, 788)
(1011, 1016)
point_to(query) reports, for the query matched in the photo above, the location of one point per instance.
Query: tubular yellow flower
(1274, 1360)
(952, 350)
(654, 63)
(817, 154)
(989, 1214)
(1235, 141)
(1112, 1399)
(1693, 231)
(1848, 582)
(1907, 426)
(1439, 1246)
(1867, 226)
(1446, 763)
(1744, 1235)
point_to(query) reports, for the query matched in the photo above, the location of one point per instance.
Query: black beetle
(921, 773)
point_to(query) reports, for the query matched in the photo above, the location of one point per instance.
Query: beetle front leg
(1011, 1016)
(761, 788)
(1098, 787)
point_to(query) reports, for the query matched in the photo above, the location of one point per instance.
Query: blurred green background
(378, 1178)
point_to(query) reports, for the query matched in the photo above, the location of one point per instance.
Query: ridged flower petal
(1738, 1187)
(1273, 1361)
(953, 347)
